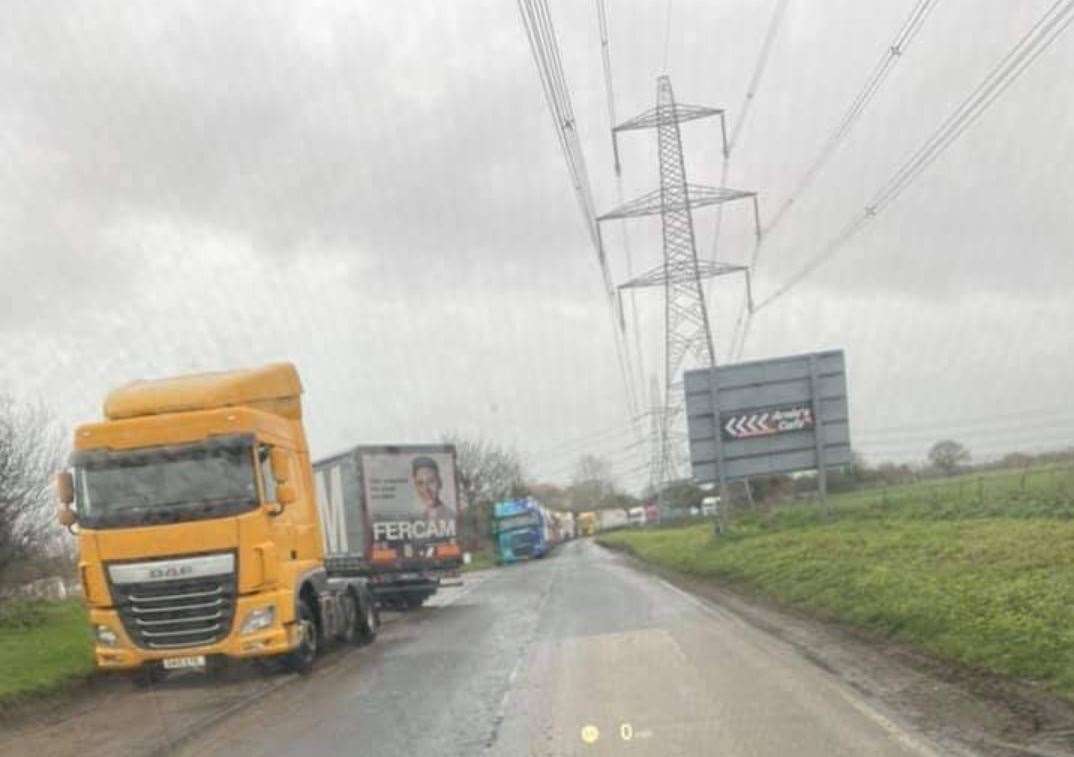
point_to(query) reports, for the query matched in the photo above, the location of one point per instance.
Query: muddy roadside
(108, 715)
(982, 712)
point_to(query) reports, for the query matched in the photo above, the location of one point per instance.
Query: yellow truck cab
(198, 530)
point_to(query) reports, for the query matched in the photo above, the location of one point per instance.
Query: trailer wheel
(300, 660)
(368, 621)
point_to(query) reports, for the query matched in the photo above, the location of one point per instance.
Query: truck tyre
(368, 621)
(348, 629)
(300, 660)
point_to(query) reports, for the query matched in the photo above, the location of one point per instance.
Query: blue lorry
(521, 529)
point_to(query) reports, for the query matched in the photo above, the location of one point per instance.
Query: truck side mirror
(281, 465)
(285, 494)
(65, 493)
(65, 487)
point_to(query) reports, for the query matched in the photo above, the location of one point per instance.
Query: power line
(1020, 416)
(758, 71)
(609, 91)
(751, 90)
(892, 55)
(911, 26)
(1047, 29)
(667, 40)
(537, 22)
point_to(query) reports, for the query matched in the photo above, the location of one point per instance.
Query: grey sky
(374, 191)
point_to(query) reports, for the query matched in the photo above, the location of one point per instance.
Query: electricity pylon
(686, 322)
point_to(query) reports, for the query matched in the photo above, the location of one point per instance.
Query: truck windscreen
(165, 484)
(517, 521)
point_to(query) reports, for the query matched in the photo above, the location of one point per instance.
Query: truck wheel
(300, 660)
(349, 628)
(368, 621)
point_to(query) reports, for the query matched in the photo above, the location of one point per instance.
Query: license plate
(185, 663)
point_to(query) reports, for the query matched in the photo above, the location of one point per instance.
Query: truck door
(281, 528)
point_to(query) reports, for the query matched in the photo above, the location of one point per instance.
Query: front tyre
(300, 660)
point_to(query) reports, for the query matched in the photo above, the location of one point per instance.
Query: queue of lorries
(206, 532)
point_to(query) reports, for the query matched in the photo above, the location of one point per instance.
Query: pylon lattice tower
(687, 333)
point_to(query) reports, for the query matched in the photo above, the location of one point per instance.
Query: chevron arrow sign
(768, 422)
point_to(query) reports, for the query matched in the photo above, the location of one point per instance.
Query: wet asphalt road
(577, 654)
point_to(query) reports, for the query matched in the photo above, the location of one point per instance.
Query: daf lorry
(198, 530)
(392, 517)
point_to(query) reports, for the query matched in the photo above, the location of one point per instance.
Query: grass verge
(44, 647)
(480, 560)
(991, 585)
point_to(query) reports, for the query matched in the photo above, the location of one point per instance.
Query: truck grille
(522, 544)
(176, 614)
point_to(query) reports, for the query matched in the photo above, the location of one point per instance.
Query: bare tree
(31, 451)
(487, 473)
(592, 486)
(948, 455)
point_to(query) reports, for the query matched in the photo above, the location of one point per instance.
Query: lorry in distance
(198, 530)
(587, 523)
(391, 515)
(521, 529)
(614, 517)
(636, 516)
(565, 525)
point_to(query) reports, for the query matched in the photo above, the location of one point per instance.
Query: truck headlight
(105, 636)
(256, 620)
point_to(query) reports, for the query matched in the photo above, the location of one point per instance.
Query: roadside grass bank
(988, 582)
(44, 648)
(481, 559)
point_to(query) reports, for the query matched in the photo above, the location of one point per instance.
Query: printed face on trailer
(407, 496)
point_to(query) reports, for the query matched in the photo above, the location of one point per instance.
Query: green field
(978, 569)
(44, 646)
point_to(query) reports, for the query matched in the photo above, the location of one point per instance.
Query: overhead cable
(537, 21)
(892, 55)
(1038, 39)
(609, 91)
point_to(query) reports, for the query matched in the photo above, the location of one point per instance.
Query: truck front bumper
(276, 639)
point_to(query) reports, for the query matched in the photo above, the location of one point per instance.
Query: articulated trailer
(391, 517)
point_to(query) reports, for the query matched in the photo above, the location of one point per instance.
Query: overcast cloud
(373, 190)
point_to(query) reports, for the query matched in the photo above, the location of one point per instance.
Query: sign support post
(718, 437)
(818, 436)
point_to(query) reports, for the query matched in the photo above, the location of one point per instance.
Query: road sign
(780, 415)
(763, 424)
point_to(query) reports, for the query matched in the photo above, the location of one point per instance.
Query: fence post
(1024, 471)
(980, 490)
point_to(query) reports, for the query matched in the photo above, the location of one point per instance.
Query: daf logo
(172, 571)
